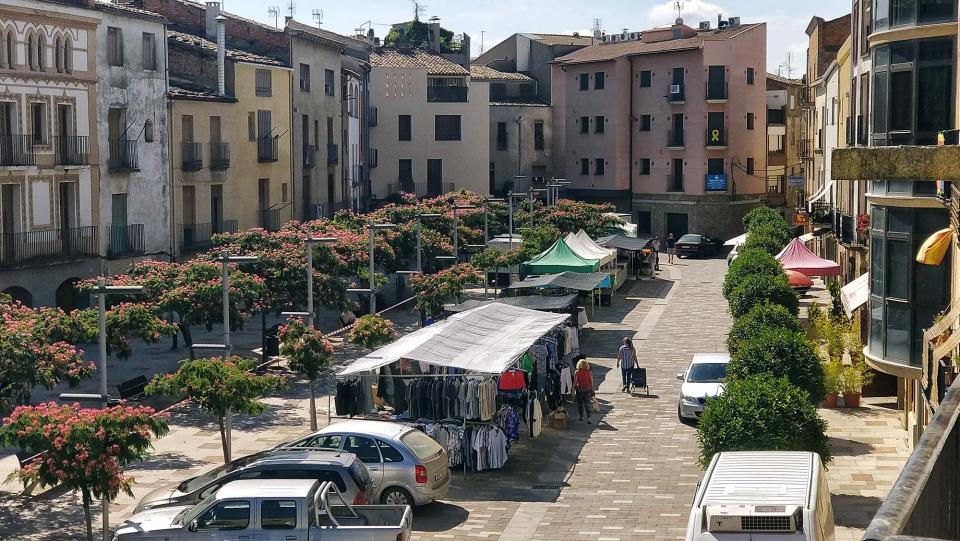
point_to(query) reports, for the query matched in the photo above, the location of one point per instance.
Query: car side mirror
(193, 525)
(680, 376)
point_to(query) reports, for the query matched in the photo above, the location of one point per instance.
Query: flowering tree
(308, 353)
(433, 289)
(371, 332)
(218, 386)
(83, 449)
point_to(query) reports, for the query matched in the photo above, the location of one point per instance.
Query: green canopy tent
(560, 258)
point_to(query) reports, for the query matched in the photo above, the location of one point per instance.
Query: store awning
(579, 281)
(487, 339)
(585, 247)
(736, 241)
(856, 293)
(560, 258)
(530, 302)
(394, 351)
(820, 193)
(933, 249)
(796, 256)
(631, 244)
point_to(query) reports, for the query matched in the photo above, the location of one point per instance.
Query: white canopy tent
(487, 339)
(585, 247)
(736, 241)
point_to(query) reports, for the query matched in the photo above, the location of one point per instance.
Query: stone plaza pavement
(630, 475)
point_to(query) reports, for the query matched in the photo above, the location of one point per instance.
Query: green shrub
(761, 413)
(769, 237)
(757, 288)
(750, 261)
(760, 317)
(781, 353)
(762, 215)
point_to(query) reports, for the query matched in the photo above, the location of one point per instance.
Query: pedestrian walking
(656, 253)
(626, 361)
(671, 245)
(583, 383)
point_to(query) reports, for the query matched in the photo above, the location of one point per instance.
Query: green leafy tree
(761, 413)
(762, 215)
(433, 290)
(769, 237)
(309, 354)
(372, 332)
(83, 449)
(757, 289)
(750, 261)
(760, 317)
(781, 353)
(218, 386)
(538, 239)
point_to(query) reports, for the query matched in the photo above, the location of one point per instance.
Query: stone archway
(68, 298)
(18, 293)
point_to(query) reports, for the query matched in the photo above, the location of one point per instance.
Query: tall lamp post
(456, 230)
(531, 195)
(372, 290)
(554, 186)
(420, 217)
(510, 197)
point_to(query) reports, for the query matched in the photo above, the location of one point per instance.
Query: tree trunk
(223, 438)
(313, 406)
(86, 513)
(263, 335)
(187, 337)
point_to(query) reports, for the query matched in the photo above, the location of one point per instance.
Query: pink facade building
(669, 124)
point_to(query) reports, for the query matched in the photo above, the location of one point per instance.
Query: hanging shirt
(512, 380)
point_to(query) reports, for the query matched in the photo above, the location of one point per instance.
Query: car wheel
(396, 496)
(679, 416)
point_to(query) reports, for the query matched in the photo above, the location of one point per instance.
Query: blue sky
(497, 19)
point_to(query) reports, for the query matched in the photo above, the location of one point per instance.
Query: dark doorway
(406, 176)
(331, 195)
(434, 177)
(68, 298)
(216, 208)
(19, 294)
(676, 224)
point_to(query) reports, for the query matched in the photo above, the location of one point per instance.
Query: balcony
(273, 218)
(333, 154)
(676, 94)
(717, 92)
(191, 156)
(806, 97)
(716, 138)
(373, 158)
(71, 150)
(126, 240)
(776, 190)
(447, 94)
(219, 156)
(33, 247)
(309, 156)
(196, 237)
(17, 151)
(805, 149)
(675, 139)
(371, 116)
(421, 189)
(123, 156)
(821, 213)
(674, 182)
(268, 149)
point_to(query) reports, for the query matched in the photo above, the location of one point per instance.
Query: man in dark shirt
(671, 243)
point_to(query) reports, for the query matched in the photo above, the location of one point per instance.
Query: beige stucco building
(784, 131)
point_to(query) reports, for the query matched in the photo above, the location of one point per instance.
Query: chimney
(434, 33)
(212, 12)
(465, 51)
(221, 55)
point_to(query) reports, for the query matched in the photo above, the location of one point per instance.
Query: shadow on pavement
(169, 461)
(854, 511)
(845, 447)
(439, 517)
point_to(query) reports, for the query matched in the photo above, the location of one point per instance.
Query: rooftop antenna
(291, 8)
(597, 28)
(788, 63)
(678, 5)
(274, 12)
(318, 16)
(482, 32)
(418, 9)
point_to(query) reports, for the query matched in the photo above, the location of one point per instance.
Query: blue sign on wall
(716, 183)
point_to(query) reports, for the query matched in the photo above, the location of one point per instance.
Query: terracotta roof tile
(416, 59)
(233, 54)
(784, 80)
(129, 10)
(486, 73)
(563, 39)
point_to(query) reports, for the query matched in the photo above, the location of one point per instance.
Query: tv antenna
(482, 32)
(787, 64)
(678, 5)
(291, 8)
(418, 9)
(318, 16)
(274, 12)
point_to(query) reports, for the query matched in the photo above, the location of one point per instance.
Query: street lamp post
(372, 228)
(226, 259)
(309, 242)
(531, 192)
(456, 230)
(510, 197)
(420, 217)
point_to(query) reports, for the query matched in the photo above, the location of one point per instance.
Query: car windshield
(693, 239)
(707, 373)
(202, 480)
(422, 445)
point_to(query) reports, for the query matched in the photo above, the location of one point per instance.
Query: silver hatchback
(407, 466)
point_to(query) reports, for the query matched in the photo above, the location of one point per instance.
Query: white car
(702, 380)
(734, 253)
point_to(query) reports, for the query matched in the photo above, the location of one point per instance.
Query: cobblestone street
(630, 475)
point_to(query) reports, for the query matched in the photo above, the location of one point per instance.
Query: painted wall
(352, 169)
(523, 159)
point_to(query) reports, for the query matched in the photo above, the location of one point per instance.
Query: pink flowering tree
(309, 354)
(371, 332)
(82, 449)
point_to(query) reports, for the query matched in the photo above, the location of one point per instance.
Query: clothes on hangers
(512, 380)
(566, 380)
(488, 447)
(509, 421)
(352, 397)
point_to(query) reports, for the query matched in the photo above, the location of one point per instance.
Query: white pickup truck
(271, 510)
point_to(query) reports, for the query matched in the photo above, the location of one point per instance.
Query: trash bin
(272, 342)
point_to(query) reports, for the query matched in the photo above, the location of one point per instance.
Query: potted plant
(854, 377)
(833, 381)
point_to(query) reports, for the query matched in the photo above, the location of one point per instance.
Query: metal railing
(674, 183)
(126, 240)
(123, 155)
(72, 149)
(17, 150)
(195, 237)
(675, 97)
(191, 156)
(268, 149)
(309, 156)
(716, 137)
(674, 138)
(805, 149)
(333, 154)
(219, 156)
(373, 158)
(48, 245)
(273, 218)
(821, 213)
(446, 94)
(717, 91)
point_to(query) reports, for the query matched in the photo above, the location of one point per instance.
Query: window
(501, 136)
(644, 166)
(149, 51)
(646, 78)
(584, 81)
(749, 121)
(328, 84)
(38, 122)
(749, 76)
(598, 167)
(324, 441)
(388, 453)
(538, 142)
(447, 128)
(226, 515)
(264, 83)
(644, 222)
(305, 77)
(365, 449)
(252, 126)
(584, 124)
(584, 166)
(599, 79)
(41, 44)
(749, 166)
(278, 514)
(598, 124)
(716, 83)
(715, 166)
(644, 122)
(148, 131)
(935, 10)
(405, 128)
(114, 46)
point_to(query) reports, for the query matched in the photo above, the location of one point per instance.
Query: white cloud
(693, 12)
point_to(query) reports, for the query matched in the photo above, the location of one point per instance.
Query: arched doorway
(18, 293)
(68, 298)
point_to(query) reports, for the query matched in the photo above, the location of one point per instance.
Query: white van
(762, 496)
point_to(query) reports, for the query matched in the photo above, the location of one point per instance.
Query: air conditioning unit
(734, 21)
(704, 25)
(754, 518)
(674, 89)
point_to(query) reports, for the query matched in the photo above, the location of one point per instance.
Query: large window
(892, 13)
(538, 142)
(264, 83)
(405, 128)
(501, 136)
(447, 127)
(114, 46)
(149, 51)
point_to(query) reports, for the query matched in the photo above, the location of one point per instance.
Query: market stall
(560, 258)
(574, 281)
(796, 256)
(637, 249)
(544, 303)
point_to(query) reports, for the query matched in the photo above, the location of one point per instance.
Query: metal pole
(373, 292)
(225, 279)
(486, 224)
(309, 283)
(456, 237)
(510, 203)
(419, 245)
(531, 206)
(102, 323)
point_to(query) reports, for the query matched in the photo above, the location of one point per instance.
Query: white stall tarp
(487, 339)
(585, 247)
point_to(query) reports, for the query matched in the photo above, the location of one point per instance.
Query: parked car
(695, 245)
(292, 509)
(406, 465)
(734, 254)
(770, 495)
(349, 474)
(702, 381)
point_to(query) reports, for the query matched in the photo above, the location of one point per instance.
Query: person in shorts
(671, 245)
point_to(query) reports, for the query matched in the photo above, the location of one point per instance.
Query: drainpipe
(171, 188)
(630, 151)
(221, 55)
